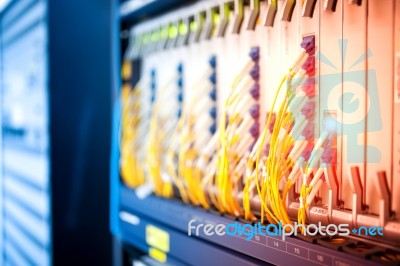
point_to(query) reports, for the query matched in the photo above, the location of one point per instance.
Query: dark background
(80, 45)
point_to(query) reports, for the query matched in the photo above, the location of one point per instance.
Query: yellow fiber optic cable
(277, 164)
(131, 172)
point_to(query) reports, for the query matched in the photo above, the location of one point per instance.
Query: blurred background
(56, 96)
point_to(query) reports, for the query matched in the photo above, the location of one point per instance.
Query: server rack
(132, 216)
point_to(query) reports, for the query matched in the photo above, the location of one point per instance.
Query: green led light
(183, 28)
(172, 32)
(215, 18)
(146, 38)
(164, 32)
(226, 11)
(193, 26)
(240, 8)
(154, 36)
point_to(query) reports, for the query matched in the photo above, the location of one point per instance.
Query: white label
(129, 218)
(144, 190)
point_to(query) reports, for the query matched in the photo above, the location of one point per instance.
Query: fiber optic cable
(286, 145)
(128, 164)
(233, 137)
(281, 142)
(134, 119)
(162, 126)
(204, 129)
(184, 151)
(310, 189)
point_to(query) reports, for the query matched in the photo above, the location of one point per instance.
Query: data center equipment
(259, 113)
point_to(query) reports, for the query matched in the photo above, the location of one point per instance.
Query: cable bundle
(134, 122)
(238, 130)
(310, 189)
(162, 130)
(180, 144)
(208, 166)
(282, 145)
(197, 126)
